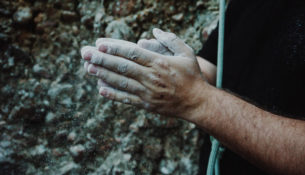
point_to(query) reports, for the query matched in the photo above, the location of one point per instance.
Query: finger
(121, 96)
(86, 64)
(154, 46)
(85, 54)
(113, 63)
(98, 41)
(173, 43)
(131, 52)
(101, 83)
(116, 81)
(151, 45)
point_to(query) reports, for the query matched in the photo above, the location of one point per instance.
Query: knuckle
(133, 53)
(111, 95)
(156, 80)
(122, 68)
(158, 84)
(173, 74)
(154, 76)
(151, 76)
(124, 84)
(112, 49)
(97, 58)
(101, 74)
(107, 93)
(162, 63)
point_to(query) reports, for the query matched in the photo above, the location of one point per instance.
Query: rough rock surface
(52, 120)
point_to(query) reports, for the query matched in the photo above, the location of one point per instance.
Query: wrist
(199, 102)
(208, 69)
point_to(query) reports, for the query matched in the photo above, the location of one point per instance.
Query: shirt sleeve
(209, 49)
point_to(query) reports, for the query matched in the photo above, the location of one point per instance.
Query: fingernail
(103, 92)
(92, 69)
(87, 56)
(102, 48)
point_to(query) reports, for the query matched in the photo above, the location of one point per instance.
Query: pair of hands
(161, 75)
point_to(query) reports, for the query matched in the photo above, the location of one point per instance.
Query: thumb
(173, 43)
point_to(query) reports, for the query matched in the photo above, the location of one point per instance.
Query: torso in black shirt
(264, 63)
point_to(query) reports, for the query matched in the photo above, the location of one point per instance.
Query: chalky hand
(133, 75)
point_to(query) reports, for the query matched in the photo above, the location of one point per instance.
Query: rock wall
(52, 120)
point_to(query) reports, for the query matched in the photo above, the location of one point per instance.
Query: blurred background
(52, 120)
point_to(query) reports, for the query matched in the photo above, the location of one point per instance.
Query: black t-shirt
(264, 63)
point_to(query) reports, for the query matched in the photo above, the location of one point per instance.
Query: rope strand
(216, 150)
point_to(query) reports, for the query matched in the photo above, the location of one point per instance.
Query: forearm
(208, 69)
(274, 143)
(160, 83)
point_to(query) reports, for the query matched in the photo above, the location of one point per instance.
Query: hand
(133, 75)
(152, 45)
(207, 69)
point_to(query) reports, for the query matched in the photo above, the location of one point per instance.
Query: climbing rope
(217, 149)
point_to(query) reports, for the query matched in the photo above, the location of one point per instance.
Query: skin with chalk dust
(52, 120)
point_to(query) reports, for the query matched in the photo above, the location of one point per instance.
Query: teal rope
(216, 150)
(213, 156)
(219, 154)
(221, 34)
